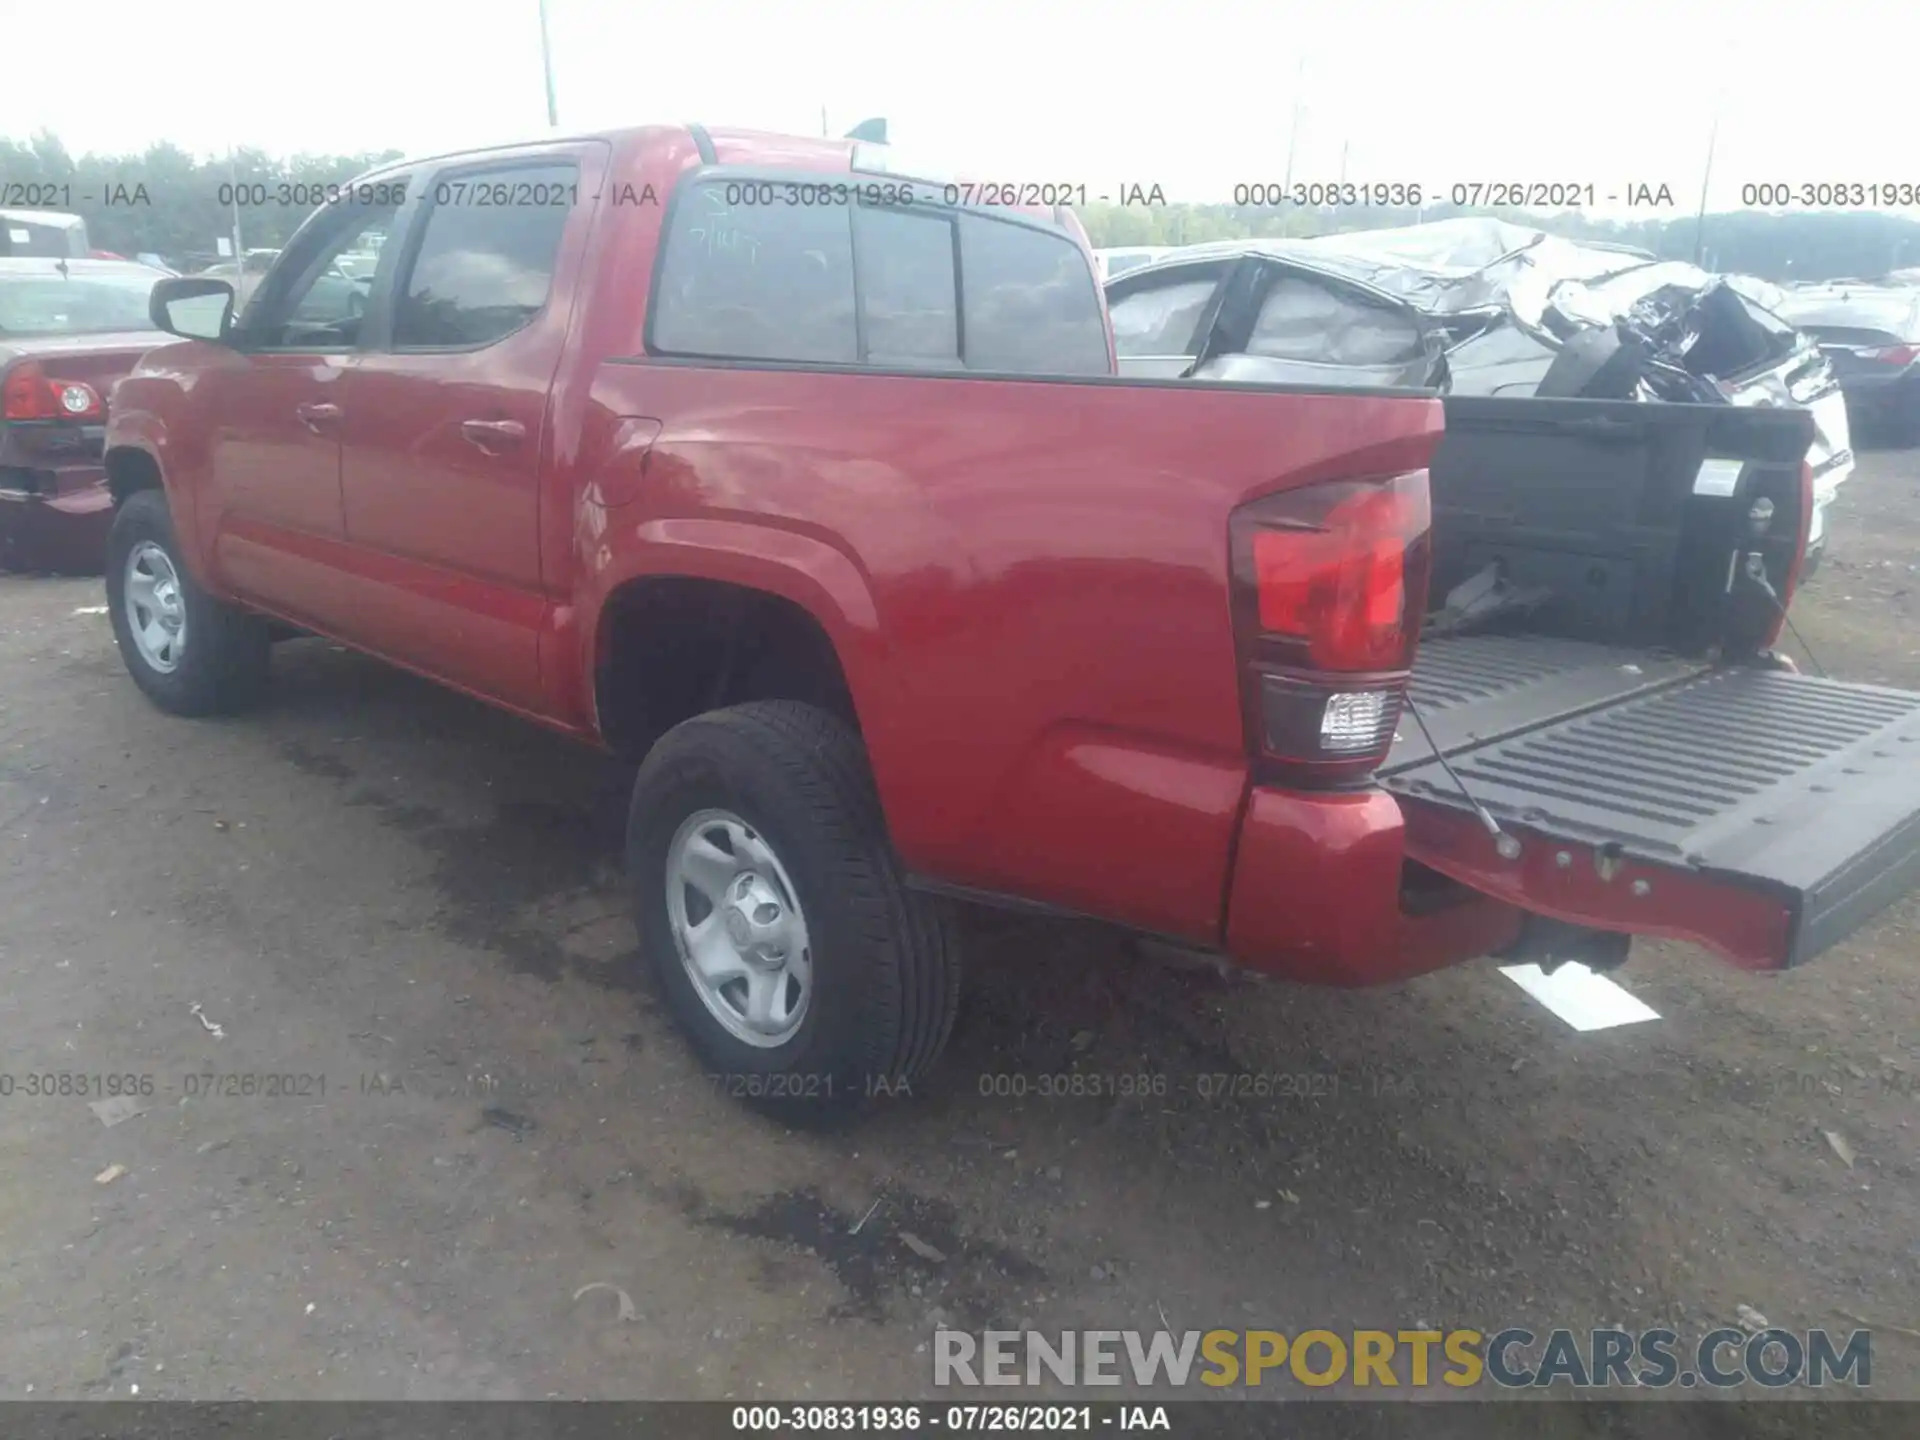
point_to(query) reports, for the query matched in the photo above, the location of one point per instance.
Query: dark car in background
(69, 328)
(1870, 334)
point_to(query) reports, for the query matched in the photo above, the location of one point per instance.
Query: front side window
(485, 263)
(749, 281)
(1031, 305)
(317, 311)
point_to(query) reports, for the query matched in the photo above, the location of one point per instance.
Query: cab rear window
(919, 286)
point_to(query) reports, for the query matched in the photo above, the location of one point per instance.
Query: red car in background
(68, 329)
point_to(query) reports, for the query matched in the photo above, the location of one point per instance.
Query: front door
(273, 463)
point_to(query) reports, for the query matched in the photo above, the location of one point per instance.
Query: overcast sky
(1196, 96)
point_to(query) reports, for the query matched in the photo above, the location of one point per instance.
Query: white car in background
(1502, 309)
(1119, 259)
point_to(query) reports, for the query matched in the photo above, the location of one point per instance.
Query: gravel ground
(388, 891)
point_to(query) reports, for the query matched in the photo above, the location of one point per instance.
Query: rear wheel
(772, 907)
(190, 653)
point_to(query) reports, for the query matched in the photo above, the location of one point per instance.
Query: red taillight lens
(1337, 570)
(30, 394)
(1330, 590)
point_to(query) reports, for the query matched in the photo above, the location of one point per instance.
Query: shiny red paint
(1752, 930)
(1026, 582)
(1317, 895)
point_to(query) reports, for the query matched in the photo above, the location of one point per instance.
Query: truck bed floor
(1478, 688)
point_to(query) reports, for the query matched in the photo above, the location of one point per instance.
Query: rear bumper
(54, 519)
(1318, 895)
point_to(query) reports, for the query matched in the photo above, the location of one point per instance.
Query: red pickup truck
(810, 485)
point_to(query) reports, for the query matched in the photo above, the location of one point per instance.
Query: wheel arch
(713, 613)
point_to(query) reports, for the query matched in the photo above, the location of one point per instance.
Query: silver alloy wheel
(737, 921)
(156, 607)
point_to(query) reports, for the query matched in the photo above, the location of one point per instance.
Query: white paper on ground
(1584, 1000)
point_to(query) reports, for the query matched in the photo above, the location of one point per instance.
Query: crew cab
(816, 491)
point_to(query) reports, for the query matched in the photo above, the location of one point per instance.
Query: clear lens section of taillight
(1324, 730)
(1357, 721)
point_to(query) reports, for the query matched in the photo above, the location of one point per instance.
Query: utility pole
(1706, 179)
(546, 66)
(239, 255)
(824, 132)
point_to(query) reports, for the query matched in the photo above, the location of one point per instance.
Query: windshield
(51, 305)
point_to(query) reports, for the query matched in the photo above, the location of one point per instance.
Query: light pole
(239, 255)
(546, 66)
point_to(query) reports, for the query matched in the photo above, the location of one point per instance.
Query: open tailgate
(1763, 813)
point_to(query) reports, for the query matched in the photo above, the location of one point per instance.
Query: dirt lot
(397, 893)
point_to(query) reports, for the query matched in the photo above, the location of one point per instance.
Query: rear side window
(756, 282)
(909, 304)
(485, 263)
(1030, 302)
(1161, 320)
(858, 284)
(1302, 320)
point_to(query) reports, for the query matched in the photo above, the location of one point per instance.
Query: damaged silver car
(1480, 307)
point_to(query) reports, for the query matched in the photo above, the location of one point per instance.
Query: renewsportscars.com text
(1459, 1359)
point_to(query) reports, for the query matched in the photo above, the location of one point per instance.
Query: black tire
(885, 961)
(222, 664)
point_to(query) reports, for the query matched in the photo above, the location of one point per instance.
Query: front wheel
(190, 653)
(771, 905)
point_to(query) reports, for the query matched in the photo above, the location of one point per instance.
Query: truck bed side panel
(1048, 685)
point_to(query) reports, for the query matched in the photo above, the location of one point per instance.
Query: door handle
(317, 417)
(493, 436)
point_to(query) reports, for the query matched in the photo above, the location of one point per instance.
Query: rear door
(1759, 811)
(447, 434)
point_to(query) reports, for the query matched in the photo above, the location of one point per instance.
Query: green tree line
(168, 202)
(165, 201)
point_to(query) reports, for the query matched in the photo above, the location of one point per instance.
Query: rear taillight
(30, 394)
(1330, 586)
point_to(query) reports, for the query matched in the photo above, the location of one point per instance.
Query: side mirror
(192, 307)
